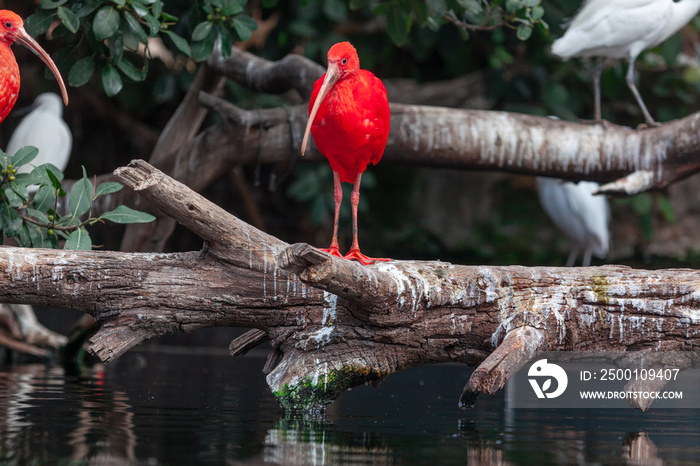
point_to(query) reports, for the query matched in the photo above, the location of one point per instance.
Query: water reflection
(303, 440)
(639, 449)
(181, 408)
(106, 436)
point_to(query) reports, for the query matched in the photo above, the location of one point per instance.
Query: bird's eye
(344, 61)
(8, 25)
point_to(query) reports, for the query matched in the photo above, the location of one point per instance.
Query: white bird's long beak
(28, 41)
(332, 75)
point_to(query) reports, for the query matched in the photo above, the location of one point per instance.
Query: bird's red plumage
(9, 71)
(352, 124)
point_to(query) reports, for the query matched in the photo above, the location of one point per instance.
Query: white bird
(622, 29)
(44, 129)
(582, 216)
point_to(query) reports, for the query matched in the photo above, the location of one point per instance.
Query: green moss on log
(315, 392)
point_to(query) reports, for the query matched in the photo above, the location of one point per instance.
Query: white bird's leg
(587, 253)
(571, 260)
(630, 83)
(596, 72)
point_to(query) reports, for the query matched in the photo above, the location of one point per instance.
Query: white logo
(544, 369)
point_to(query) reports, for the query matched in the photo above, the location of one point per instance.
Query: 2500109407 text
(630, 374)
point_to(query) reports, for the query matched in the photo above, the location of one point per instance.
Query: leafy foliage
(102, 35)
(467, 15)
(36, 221)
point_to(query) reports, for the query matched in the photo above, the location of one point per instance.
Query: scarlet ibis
(622, 29)
(582, 216)
(349, 120)
(44, 129)
(12, 30)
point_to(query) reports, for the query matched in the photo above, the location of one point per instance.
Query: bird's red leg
(333, 249)
(354, 252)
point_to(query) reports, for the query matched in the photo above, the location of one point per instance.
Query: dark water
(170, 405)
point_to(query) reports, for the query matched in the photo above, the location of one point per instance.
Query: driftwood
(334, 324)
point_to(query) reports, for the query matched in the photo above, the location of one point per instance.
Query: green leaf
(140, 10)
(396, 24)
(35, 235)
(244, 26)
(108, 188)
(132, 24)
(38, 23)
(51, 4)
(79, 240)
(179, 42)
(513, 6)
(537, 13)
(225, 42)
(131, 42)
(10, 221)
(119, 2)
(124, 214)
(231, 7)
(23, 156)
(44, 198)
(106, 23)
(116, 47)
(524, 31)
(53, 174)
(156, 7)
(202, 49)
(70, 19)
(25, 239)
(20, 190)
(81, 71)
(80, 199)
(39, 215)
(202, 30)
(666, 208)
(153, 25)
(85, 7)
(111, 81)
(12, 198)
(473, 7)
(130, 70)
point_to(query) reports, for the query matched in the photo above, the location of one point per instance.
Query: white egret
(582, 216)
(622, 29)
(44, 129)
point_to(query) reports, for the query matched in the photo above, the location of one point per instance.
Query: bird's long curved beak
(332, 75)
(28, 41)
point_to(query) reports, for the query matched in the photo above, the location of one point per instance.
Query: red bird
(12, 30)
(349, 120)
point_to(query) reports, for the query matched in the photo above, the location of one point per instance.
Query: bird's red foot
(355, 254)
(333, 251)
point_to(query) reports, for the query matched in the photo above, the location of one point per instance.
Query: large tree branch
(334, 324)
(476, 140)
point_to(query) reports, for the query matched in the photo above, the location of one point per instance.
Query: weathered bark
(440, 137)
(333, 323)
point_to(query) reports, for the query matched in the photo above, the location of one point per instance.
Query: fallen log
(334, 324)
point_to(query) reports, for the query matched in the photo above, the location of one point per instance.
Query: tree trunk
(334, 324)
